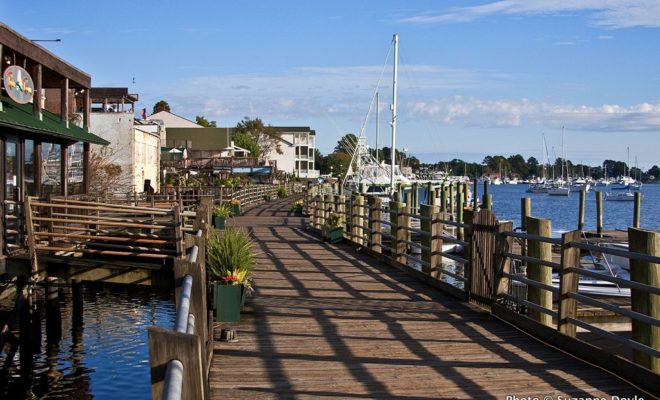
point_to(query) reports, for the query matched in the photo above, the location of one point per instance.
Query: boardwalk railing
(483, 272)
(180, 357)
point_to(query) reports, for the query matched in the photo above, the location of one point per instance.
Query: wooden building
(44, 116)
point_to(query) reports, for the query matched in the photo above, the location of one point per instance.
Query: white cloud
(606, 13)
(473, 112)
(344, 94)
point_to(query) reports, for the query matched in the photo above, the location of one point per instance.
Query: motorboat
(621, 196)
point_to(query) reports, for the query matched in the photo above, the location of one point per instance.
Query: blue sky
(476, 77)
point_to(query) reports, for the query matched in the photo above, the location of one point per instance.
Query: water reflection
(103, 355)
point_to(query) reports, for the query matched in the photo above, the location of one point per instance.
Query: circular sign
(18, 84)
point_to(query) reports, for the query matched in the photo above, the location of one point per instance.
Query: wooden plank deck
(328, 321)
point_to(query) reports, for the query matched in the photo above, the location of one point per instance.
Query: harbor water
(563, 211)
(106, 357)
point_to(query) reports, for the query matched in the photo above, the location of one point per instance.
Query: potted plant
(220, 215)
(235, 207)
(230, 260)
(267, 198)
(333, 228)
(297, 206)
(281, 192)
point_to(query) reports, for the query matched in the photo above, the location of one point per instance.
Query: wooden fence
(484, 273)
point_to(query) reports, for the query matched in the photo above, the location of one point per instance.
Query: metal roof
(21, 117)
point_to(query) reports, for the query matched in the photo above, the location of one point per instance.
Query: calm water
(563, 211)
(108, 357)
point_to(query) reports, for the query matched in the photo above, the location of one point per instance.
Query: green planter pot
(235, 210)
(227, 302)
(333, 235)
(219, 222)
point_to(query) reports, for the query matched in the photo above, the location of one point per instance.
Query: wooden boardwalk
(329, 321)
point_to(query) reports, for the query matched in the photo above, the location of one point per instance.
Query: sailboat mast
(377, 125)
(393, 149)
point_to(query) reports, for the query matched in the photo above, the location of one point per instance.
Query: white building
(297, 158)
(170, 120)
(134, 144)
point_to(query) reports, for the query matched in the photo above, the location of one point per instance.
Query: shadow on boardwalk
(329, 321)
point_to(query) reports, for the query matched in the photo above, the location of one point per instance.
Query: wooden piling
(443, 201)
(637, 210)
(537, 272)
(359, 220)
(525, 211)
(429, 193)
(397, 231)
(459, 216)
(570, 258)
(599, 213)
(488, 202)
(375, 216)
(646, 242)
(583, 199)
(427, 212)
(53, 312)
(475, 195)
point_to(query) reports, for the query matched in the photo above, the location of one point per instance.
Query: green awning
(21, 116)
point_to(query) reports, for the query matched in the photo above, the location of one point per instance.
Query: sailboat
(366, 174)
(561, 188)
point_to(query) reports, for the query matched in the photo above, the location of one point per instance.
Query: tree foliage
(106, 176)
(346, 144)
(161, 106)
(200, 120)
(267, 138)
(243, 140)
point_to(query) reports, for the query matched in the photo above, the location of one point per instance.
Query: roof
(171, 120)
(112, 94)
(21, 117)
(304, 129)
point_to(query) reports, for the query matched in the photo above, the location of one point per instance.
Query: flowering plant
(297, 205)
(230, 258)
(235, 202)
(334, 221)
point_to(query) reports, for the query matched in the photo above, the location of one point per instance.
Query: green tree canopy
(243, 140)
(200, 120)
(267, 138)
(346, 144)
(161, 106)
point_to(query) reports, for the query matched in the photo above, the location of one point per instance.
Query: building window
(28, 170)
(50, 168)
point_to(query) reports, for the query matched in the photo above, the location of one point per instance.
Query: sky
(476, 78)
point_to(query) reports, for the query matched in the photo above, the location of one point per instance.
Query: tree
(105, 175)
(267, 138)
(200, 120)
(243, 140)
(161, 106)
(338, 163)
(346, 144)
(653, 174)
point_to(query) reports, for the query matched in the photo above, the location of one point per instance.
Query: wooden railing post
(568, 283)
(359, 220)
(429, 254)
(375, 216)
(317, 209)
(397, 232)
(459, 215)
(537, 272)
(503, 244)
(340, 202)
(646, 242)
(328, 207)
